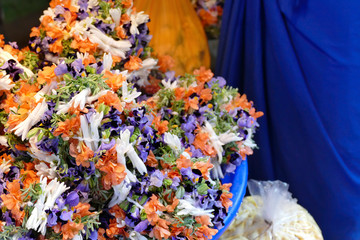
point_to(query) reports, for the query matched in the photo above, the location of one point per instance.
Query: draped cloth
(299, 61)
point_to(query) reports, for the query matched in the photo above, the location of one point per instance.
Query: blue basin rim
(238, 189)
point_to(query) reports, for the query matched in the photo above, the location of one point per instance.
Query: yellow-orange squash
(177, 32)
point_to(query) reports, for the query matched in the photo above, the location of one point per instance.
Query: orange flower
(204, 168)
(160, 232)
(90, 59)
(83, 46)
(226, 196)
(166, 63)
(205, 95)
(28, 175)
(114, 174)
(68, 128)
(114, 81)
(160, 126)
(83, 209)
(8, 103)
(51, 29)
(2, 40)
(207, 18)
(35, 32)
(151, 208)
(56, 47)
(133, 64)
(71, 229)
(153, 86)
(179, 93)
(101, 233)
(183, 162)
(65, 3)
(125, 18)
(112, 100)
(192, 103)
(120, 32)
(200, 142)
(46, 75)
(171, 208)
(203, 75)
(127, 3)
(16, 119)
(12, 200)
(83, 157)
(119, 213)
(151, 160)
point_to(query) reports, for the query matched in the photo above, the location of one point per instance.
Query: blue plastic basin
(238, 189)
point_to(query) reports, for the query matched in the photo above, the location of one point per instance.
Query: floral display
(89, 160)
(85, 155)
(210, 13)
(87, 29)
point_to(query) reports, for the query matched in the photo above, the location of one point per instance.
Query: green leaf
(180, 192)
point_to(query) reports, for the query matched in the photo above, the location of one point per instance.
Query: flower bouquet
(84, 155)
(87, 29)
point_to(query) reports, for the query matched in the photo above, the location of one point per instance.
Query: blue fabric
(299, 61)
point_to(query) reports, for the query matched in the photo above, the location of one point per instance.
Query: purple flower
(217, 80)
(52, 219)
(61, 69)
(48, 144)
(104, 27)
(98, 66)
(66, 215)
(175, 183)
(141, 226)
(157, 179)
(72, 199)
(78, 68)
(93, 235)
(11, 69)
(14, 45)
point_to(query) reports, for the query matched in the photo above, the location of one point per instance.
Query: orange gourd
(177, 32)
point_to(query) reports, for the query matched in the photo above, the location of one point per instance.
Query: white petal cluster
(80, 100)
(218, 141)
(6, 83)
(46, 201)
(128, 96)
(173, 141)
(123, 146)
(34, 117)
(115, 15)
(187, 208)
(108, 44)
(36, 153)
(136, 20)
(121, 191)
(90, 131)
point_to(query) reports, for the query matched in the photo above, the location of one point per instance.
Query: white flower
(136, 20)
(121, 149)
(249, 142)
(173, 141)
(81, 28)
(108, 44)
(44, 171)
(187, 208)
(128, 149)
(4, 167)
(216, 170)
(36, 153)
(46, 201)
(169, 85)
(3, 141)
(79, 100)
(121, 191)
(116, 15)
(107, 61)
(92, 3)
(91, 133)
(34, 117)
(6, 83)
(218, 141)
(127, 96)
(136, 236)
(78, 237)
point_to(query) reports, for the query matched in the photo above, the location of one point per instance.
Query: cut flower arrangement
(85, 155)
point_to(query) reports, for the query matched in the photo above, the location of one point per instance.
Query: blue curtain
(299, 61)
